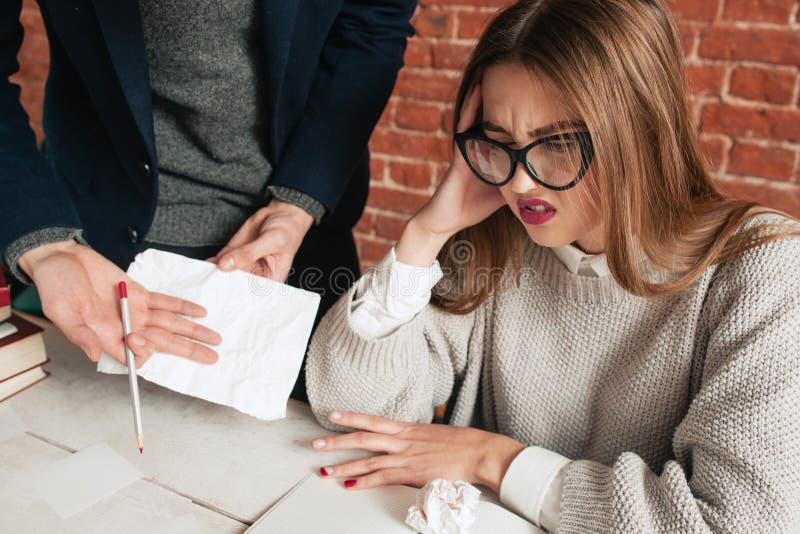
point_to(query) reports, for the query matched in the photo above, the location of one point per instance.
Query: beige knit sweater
(682, 413)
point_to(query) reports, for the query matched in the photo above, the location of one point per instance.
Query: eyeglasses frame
(521, 155)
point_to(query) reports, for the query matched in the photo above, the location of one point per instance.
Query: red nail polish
(349, 483)
(322, 472)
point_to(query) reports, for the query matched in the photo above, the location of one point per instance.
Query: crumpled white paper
(265, 326)
(444, 507)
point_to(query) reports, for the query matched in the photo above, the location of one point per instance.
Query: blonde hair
(619, 65)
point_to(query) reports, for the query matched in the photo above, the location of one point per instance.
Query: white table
(202, 461)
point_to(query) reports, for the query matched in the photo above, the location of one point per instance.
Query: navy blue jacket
(331, 66)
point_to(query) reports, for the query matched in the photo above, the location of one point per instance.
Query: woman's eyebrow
(555, 127)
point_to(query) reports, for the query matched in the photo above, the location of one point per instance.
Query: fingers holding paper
(160, 301)
(159, 325)
(78, 290)
(180, 326)
(267, 242)
(76, 286)
(416, 453)
(161, 340)
(169, 333)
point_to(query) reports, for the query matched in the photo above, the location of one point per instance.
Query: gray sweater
(207, 76)
(681, 412)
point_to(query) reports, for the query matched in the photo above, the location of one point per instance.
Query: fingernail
(325, 471)
(227, 263)
(349, 483)
(336, 415)
(318, 443)
(135, 340)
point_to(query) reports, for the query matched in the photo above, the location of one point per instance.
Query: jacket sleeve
(357, 71)
(31, 197)
(737, 450)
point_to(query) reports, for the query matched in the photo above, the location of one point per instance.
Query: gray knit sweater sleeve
(35, 239)
(308, 203)
(402, 376)
(741, 435)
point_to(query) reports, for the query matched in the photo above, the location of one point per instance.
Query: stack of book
(22, 351)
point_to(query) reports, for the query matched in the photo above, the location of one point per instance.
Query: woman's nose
(521, 182)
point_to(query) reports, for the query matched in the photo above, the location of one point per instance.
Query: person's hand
(267, 241)
(416, 453)
(460, 201)
(79, 292)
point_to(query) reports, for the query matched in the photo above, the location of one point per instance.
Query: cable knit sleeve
(402, 376)
(391, 296)
(736, 465)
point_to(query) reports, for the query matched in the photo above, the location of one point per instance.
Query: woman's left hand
(416, 453)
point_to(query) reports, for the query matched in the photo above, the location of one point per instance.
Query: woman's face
(517, 110)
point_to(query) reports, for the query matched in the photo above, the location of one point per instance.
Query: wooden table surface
(206, 467)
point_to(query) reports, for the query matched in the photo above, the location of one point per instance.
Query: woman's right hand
(460, 201)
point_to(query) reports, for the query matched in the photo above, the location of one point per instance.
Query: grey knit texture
(35, 239)
(681, 412)
(313, 207)
(206, 72)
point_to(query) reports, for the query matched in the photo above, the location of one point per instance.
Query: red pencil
(132, 378)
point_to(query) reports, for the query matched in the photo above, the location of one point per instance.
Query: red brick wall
(742, 62)
(34, 61)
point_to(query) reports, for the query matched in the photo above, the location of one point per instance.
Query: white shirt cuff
(390, 295)
(529, 479)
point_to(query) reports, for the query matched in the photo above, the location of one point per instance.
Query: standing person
(636, 368)
(231, 130)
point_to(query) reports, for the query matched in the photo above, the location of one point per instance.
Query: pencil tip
(140, 442)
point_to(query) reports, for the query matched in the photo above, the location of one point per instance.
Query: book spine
(5, 297)
(39, 379)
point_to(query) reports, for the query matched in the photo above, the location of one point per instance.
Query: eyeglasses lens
(557, 161)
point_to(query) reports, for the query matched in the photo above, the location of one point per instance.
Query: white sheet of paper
(493, 518)
(383, 509)
(265, 326)
(11, 425)
(184, 524)
(82, 479)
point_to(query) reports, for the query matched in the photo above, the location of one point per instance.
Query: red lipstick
(535, 211)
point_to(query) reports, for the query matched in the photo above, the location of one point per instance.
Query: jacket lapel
(121, 25)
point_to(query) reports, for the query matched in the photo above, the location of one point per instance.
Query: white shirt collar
(580, 263)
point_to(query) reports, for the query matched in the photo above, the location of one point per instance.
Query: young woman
(618, 345)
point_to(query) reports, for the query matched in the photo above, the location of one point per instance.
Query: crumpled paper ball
(444, 507)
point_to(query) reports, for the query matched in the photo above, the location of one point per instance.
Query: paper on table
(493, 518)
(183, 524)
(80, 480)
(337, 511)
(11, 425)
(444, 507)
(265, 326)
(383, 509)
